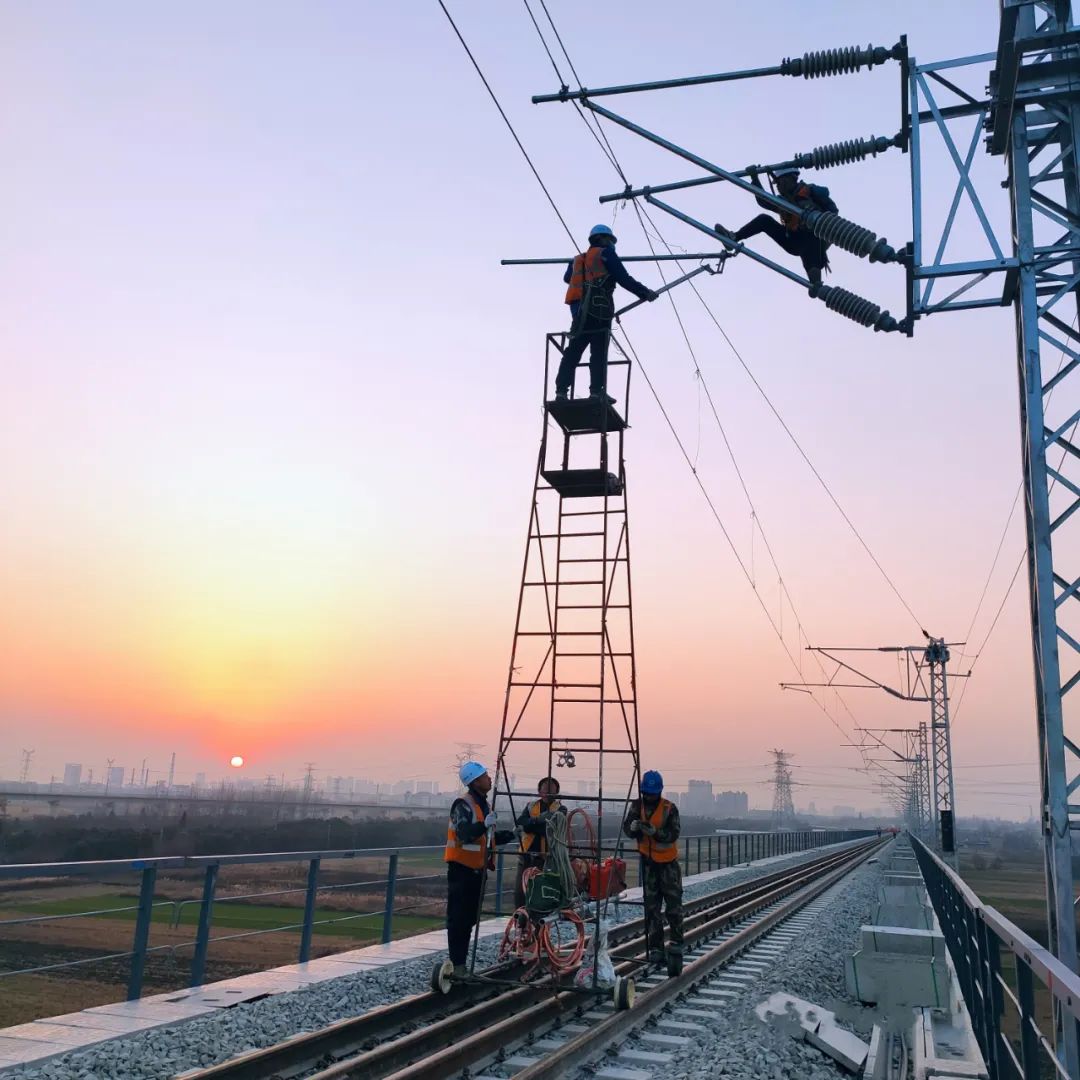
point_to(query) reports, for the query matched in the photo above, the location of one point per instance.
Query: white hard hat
(470, 771)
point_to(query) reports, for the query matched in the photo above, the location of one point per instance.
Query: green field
(237, 916)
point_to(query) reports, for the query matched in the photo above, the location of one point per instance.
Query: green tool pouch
(544, 893)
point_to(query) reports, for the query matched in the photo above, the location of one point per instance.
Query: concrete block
(918, 916)
(841, 1045)
(943, 1045)
(905, 940)
(644, 1057)
(877, 1060)
(614, 1072)
(903, 894)
(656, 1038)
(796, 1016)
(895, 979)
(680, 1027)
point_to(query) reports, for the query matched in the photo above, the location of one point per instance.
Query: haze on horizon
(270, 408)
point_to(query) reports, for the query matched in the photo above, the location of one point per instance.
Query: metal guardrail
(700, 853)
(978, 938)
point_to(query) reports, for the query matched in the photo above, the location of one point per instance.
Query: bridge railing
(1012, 986)
(416, 870)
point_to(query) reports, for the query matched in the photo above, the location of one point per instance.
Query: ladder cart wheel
(440, 977)
(623, 993)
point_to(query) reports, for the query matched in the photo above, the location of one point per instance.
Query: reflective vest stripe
(472, 855)
(653, 849)
(587, 268)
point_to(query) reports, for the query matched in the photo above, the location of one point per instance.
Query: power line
(506, 120)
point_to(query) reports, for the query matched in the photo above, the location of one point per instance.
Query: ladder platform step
(583, 483)
(580, 416)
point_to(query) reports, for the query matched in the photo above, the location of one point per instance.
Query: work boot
(723, 230)
(813, 274)
(460, 971)
(656, 956)
(560, 395)
(599, 397)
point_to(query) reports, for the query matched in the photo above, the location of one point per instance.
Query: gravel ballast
(738, 1046)
(163, 1052)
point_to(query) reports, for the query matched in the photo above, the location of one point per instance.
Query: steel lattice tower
(571, 693)
(783, 806)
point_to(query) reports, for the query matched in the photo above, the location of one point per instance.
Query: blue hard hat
(603, 230)
(470, 771)
(652, 783)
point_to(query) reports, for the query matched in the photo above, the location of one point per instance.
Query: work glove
(491, 820)
(635, 827)
(651, 296)
(647, 829)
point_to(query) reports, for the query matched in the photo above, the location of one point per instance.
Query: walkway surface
(55, 1035)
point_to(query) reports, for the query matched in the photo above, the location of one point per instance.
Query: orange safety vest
(472, 855)
(791, 221)
(587, 268)
(650, 847)
(528, 839)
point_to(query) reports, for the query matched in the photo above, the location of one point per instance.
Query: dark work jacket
(617, 275)
(668, 833)
(468, 829)
(819, 196)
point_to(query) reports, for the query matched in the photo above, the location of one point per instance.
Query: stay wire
(510, 127)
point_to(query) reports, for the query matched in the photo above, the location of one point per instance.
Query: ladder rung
(587, 700)
(565, 633)
(596, 559)
(562, 536)
(552, 584)
(590, 607)
(592, 513)
(594, 655)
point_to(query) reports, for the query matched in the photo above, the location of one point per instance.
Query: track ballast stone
(736, 1045)
(163, 1052)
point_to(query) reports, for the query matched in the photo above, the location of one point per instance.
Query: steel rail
(479, 1006)
(496, 1025)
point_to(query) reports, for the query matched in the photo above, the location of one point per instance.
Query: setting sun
(236, 761)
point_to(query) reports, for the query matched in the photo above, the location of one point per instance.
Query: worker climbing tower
(571, 697)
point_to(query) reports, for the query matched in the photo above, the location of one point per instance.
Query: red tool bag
(607, 879)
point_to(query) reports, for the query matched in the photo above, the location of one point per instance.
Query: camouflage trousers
(662, 885)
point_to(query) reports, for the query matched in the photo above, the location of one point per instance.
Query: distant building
(72, 775)
(114, 776)
(200, 780)
(732, 804)
(699, 801)
(844, 811)
(403, 787)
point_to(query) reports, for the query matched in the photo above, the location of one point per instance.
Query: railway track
(432, 1036)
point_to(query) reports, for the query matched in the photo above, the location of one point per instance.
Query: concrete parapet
(917, 916)
(893, 979)
(903, 941)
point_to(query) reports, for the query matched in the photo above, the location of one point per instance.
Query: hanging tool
(704, 268)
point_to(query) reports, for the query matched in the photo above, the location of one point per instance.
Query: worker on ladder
(532, 822)
(654, 822)
(471, 837)
(787, 231)
(591, 279)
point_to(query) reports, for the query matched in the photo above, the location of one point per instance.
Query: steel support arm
(669, 285)
(691, 257)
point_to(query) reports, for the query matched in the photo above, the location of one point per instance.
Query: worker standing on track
(787, 231)
(592, 278)
(654, 822)
(533, 825)
(471, 837)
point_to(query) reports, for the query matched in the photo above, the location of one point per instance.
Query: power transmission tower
(1022, 98)
(783, 806)
(467, 751)
(24, 769)
(309, 781)
(922, 678)
(108, 773)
